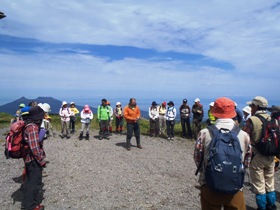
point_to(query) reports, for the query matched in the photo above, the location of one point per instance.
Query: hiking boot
(87, 136)
(39, 207)
(139, 146)
(68, 136)
(61, 135)
(100, 137)
(81, 136)
(128, 148)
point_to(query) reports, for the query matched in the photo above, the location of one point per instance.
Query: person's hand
(43, 164)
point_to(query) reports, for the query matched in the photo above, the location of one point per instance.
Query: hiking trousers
(133, 128)
(170, 128)
(64, 126)
(85, 126)
(262, 173)
(185, 123)
(214, 201)
(32, 187)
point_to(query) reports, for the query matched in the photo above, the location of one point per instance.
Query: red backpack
(16, 147)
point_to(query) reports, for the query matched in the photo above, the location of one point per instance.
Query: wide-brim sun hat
(224, 108)
(118, 103)
(86, 108)
(154, 103)
(64, 103)
(259, 101)
(196, 100)
(247, 109)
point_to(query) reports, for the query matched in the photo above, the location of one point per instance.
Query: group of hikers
(232, 139)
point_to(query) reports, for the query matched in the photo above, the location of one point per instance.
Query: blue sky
(162, 50)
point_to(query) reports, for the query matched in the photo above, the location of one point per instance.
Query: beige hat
(247, 109)
(258, 101)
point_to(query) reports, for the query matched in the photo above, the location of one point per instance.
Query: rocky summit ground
(102, 174)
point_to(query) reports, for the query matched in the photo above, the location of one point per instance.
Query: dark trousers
(154, 126)
(170, 128)
(72, 123)
(132, 128)
(119, 124)
(185, 123)
(104, 125)
(32, 187)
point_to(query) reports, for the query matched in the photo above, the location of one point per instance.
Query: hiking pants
(170, 128)
(85, 125)
(214, 201)
(154, 126)
(119, 124)
(132, 128)
(32, 187)
(64, 126)
(185, 123)
(104, 126)
(262, 173)
(72, 123)
(162, 123)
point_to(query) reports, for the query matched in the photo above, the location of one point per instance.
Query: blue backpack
(224, 171)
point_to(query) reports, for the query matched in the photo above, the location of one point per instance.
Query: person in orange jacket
(132, 115)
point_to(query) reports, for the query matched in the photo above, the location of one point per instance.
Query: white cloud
(242, 33)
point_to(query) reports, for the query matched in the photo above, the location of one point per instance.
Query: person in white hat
(197, 110)
(74, 111)
(118, 112)
(65, 114)
(246, 113)
(211, 118)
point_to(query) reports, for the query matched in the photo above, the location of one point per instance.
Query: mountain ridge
(55, 104)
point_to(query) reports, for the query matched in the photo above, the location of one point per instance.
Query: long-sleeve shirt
(131, 114)
(170, 113)
(85, 115)
(154, 112)
(204, 138)
(31, 136)
(65, 114)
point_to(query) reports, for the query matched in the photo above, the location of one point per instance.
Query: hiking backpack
(268, 144)
(224, 172)
(15, 146)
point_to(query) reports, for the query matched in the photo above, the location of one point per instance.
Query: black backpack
(268, 144)
(224, 172)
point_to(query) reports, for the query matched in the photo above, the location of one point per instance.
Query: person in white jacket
(154, 119)
(65, 114)
(86, 117)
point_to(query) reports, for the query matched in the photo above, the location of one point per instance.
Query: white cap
(72, 103)
(247, 109)
(118, 103)
(64, 103)
(196, 100)
(211, 104)
(46, 107)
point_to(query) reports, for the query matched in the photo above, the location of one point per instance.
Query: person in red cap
(86, 117)
(162, 120)
(224, 111)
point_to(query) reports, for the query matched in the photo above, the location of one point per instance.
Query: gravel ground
(102, 174)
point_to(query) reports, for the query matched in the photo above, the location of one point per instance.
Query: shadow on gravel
(17, 196)
(122, 144)
(18, 179)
